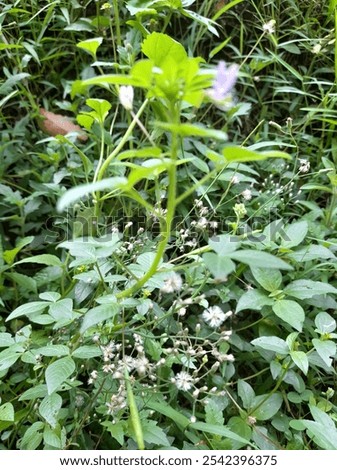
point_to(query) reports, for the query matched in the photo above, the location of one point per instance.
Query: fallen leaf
(56, 124)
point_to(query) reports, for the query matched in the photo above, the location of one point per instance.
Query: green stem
(117, 23)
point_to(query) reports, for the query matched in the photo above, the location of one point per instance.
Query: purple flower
(224, 81)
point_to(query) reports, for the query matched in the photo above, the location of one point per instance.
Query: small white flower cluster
(214, 316)
(269, 27)
(118, 400)
(173, 283)
(271, 187)
(183, 381)
(304, 165)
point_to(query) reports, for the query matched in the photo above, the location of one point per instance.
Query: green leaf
(6, 340)
(50, 407)
(310, 253)
(214, 413)
(102, 107)
(189, 130)
(61, 310)
(166, 410)
(76, 193)
(241, 154)
(223, 244)
(266, 408)
(153, 434)
(253, 299)
(98, 315)
(218, 430)
(301, 360)
(246, 393)
(306, 289)
(271, 343)
(116, 430)
(48, 260)
(290, 312)
(294, 234)
(39, 391)
(23, 281)
(325, 349)
(30, 309)
(53, 350)
(269, 279)
(7, 412)
(324, 323)
(50, 296)
(219, 266)
(90, 45)
(58, 372)
(259, 259)
(8, 357)
(158, 47)
(32, 437)
(87, 352)
(9, 255)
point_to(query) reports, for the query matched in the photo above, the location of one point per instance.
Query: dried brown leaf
(55, 124)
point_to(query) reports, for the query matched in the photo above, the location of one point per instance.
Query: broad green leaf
(158, 47)
(166, 410)
(30, 309)
(269, 279)
(263, 409)
(219, 266)
(271, 343)
(6, 340)
(189, 130)
(53, 350)
(153, 434)
(246, 393)
(48, 260)
(324, 437)
(241, 154)
(218, 430)
(259, 259)
(8, 357)
(49, 408)
(62, 309)
(310, 253)
(51, 438)
(324, 323)
(58, 372)
(102, 107)
(90, 45)
(253, 299)
(7, 412)
(98, 315)
(213, 413)
(9, 255)
(76, 193)
(306, 289)
(32, 437)
(39, 391)
(290, 312)
(224, 244)
(301, 360)
(87, 352)
(116, 430)
(50, 296)
(325, 350)
(294, 234)
(23, 281)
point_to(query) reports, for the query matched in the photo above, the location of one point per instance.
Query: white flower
(126, 96)
(183, 381)
(269, 27)
(316, 49)
(304, 166)
(172, 284)
(247, 194)
(214, 316)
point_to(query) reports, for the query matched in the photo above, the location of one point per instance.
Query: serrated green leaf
(153, 434)
(30, 309)
(253, 299)
(58, 372)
